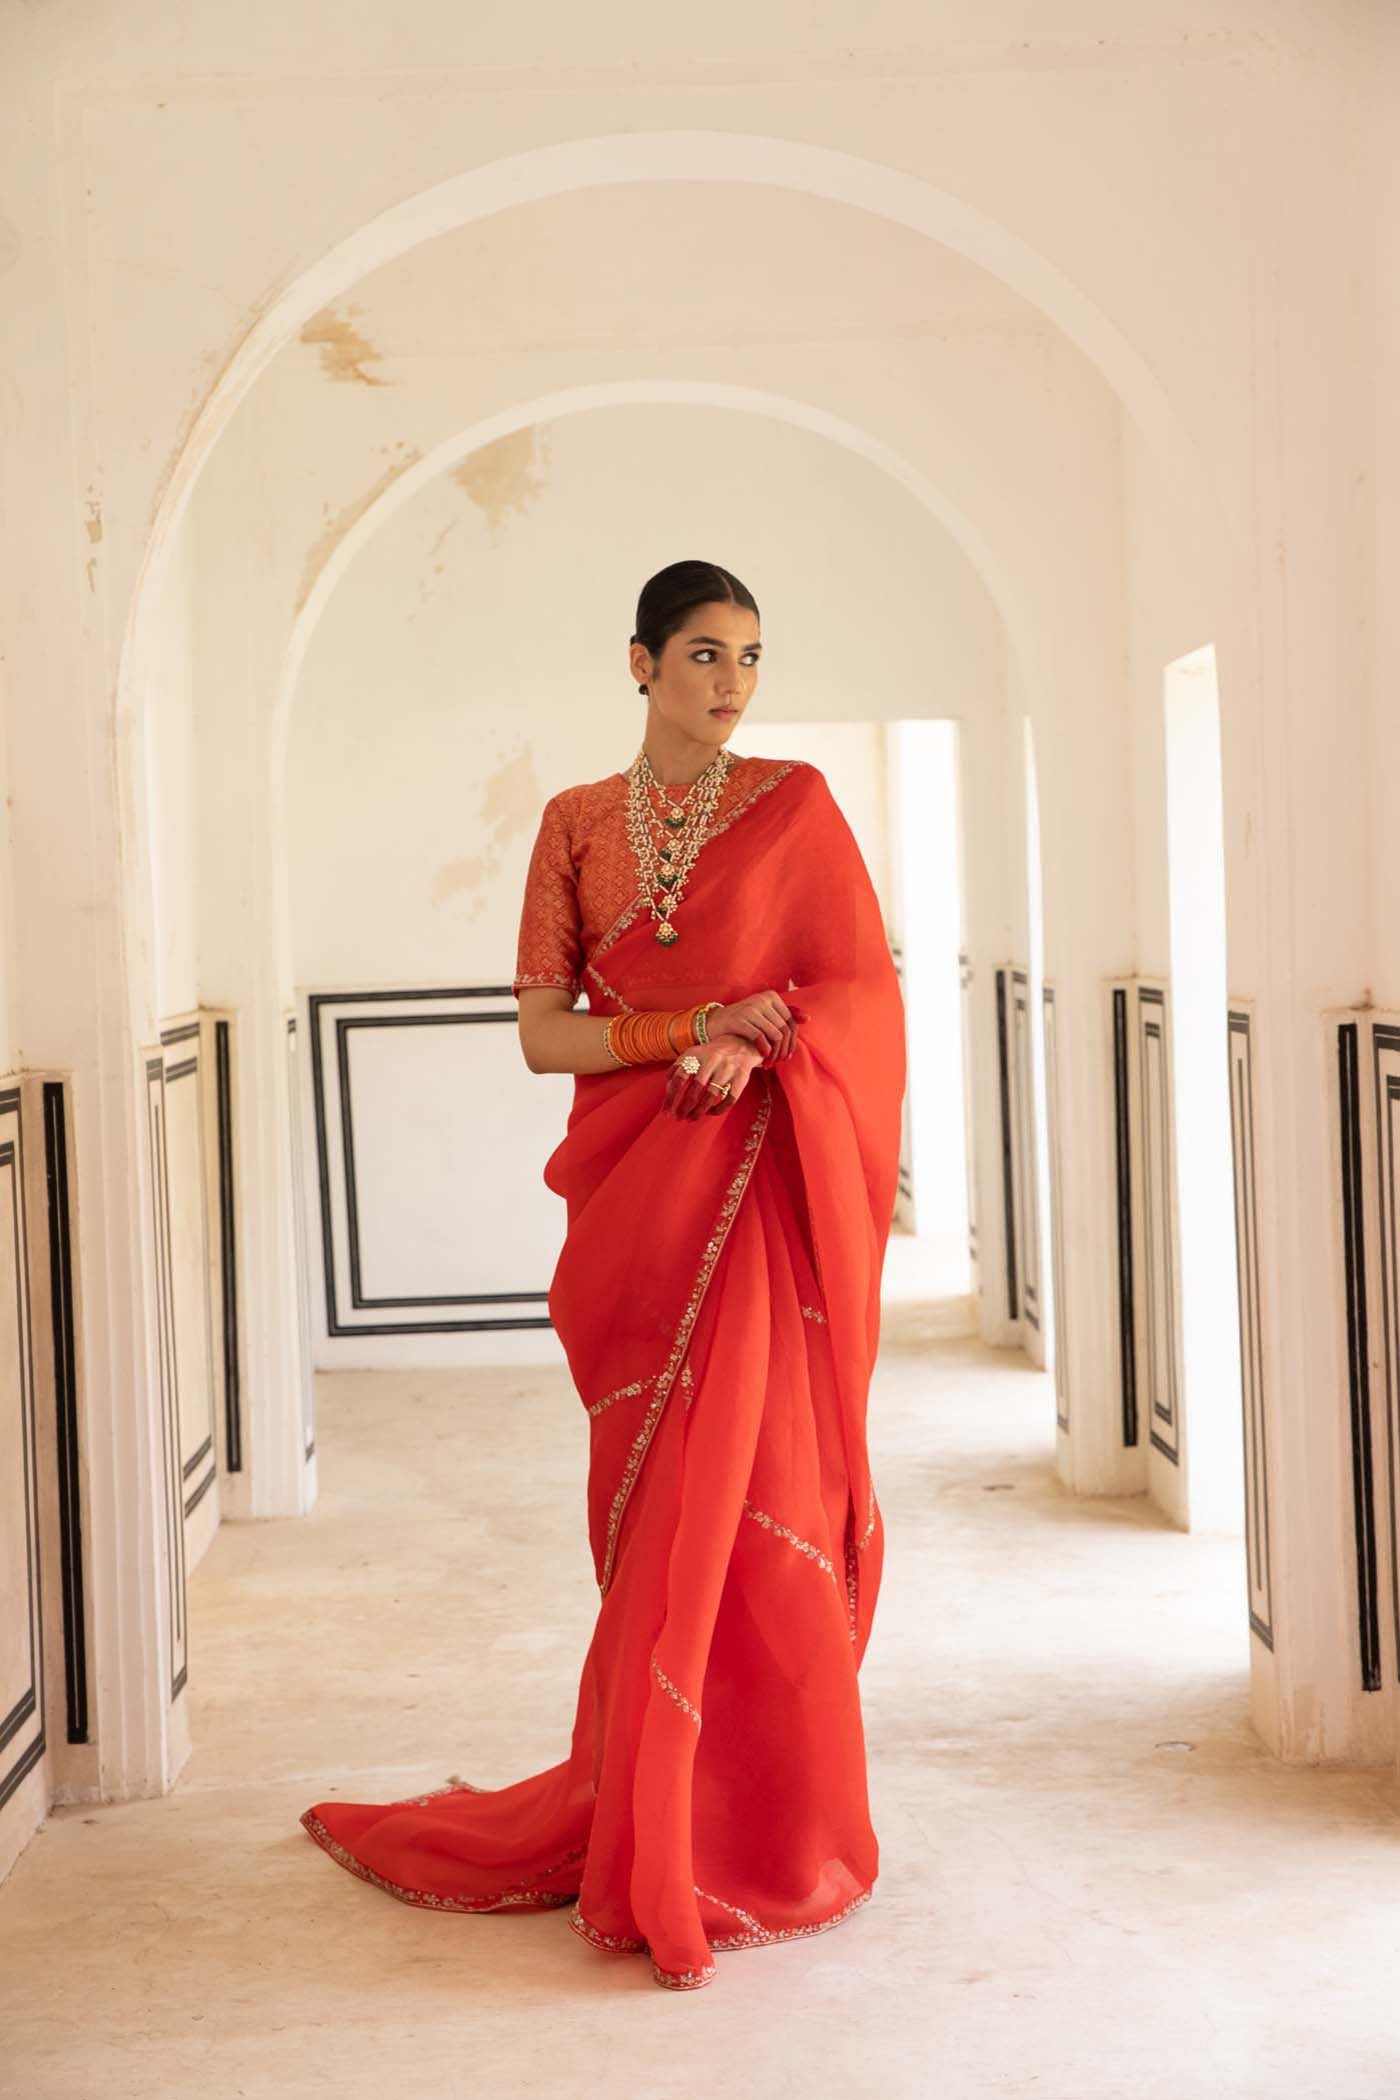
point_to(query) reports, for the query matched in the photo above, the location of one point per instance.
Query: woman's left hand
(723, 1058)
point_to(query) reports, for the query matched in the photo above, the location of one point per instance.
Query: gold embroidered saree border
(764, 1938)
(591, 971)
(666, 1377)
(674, 1693)
(754, 1935)
(794, 1539)
(525, 1894)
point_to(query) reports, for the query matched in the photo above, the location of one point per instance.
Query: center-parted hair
(670, 596)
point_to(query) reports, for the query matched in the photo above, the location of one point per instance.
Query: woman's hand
(763, 1018)
(723, 1057)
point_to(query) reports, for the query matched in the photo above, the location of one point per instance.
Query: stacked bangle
(647, 1038)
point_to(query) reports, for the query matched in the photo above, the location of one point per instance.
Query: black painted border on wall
(1385, 1071)
(31, 1705)
(66, 1435)
(1054, 1150)
(1258, 1544)
(165, 1325)
(1008, 1184)
(188, 1068)
(1123, 1157)
(335, 1325)
(1023, 1108)
(1155, 1030)
(228, 1248)
(1363, 1486)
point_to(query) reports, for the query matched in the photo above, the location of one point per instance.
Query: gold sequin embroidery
(684, 1979)
(763, 1937)
(673, 1691)
(869, 1522)
(667, 1375)
(610, 1942)
(604, 986)
(527, 977)
(809, 1312)
(746, 1918)
(515, 1892)
(753, 1935)
(621, 1392)
(779, 773)
(761, 1516)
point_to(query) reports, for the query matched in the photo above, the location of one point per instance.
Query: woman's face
(706, 673)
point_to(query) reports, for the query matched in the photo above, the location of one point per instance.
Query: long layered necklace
(667, 841)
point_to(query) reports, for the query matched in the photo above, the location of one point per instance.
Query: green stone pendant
(675, 818)
(666, 878)
(666, 931)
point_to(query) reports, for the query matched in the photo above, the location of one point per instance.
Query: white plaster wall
(1377, 298)
(172, 799)
(9, 915)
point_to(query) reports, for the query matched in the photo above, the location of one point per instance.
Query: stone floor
(1094, 1883)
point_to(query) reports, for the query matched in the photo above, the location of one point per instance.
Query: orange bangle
(687, 1015)
(646, 1037)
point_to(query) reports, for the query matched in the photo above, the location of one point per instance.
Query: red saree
(718, 1298)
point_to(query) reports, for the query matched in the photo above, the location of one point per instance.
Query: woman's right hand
(762, 1018)
(723, 1061)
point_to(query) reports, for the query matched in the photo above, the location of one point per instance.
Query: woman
(717, 1297)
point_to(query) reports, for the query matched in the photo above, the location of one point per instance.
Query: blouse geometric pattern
(583, 873)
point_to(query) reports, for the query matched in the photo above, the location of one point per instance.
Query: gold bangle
(607, 1043)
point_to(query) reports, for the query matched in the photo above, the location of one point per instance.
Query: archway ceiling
(630, 272)
(669, 264)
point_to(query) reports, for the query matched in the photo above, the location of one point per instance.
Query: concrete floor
(1093, 1882)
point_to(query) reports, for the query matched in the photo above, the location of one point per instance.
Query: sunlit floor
(1093, 1881)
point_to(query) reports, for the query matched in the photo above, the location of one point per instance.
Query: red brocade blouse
(583, 872)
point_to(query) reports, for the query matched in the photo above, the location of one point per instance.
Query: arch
(551, 407)
(567, 401)
(665, 156)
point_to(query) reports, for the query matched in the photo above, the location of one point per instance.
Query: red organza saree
(717, 1297)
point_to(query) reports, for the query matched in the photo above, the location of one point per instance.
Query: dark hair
(672, 594)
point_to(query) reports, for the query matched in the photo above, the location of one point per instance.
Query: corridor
(1094, 1881)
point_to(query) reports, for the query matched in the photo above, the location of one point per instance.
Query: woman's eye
(697, 654)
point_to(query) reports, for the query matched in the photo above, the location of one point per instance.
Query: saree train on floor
(717, 1297)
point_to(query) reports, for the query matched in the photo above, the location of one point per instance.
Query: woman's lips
(727, 712)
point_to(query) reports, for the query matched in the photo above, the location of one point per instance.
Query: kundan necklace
(667, 843)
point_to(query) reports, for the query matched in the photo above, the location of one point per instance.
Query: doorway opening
(1198, 1008)
(897, 786)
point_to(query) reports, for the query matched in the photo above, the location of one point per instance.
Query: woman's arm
(554, 1038)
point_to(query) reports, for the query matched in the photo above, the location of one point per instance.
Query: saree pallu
(718, 1299)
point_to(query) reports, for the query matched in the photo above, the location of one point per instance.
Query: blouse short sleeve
(550, 946)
